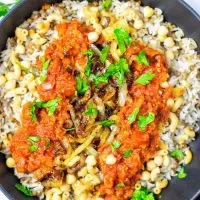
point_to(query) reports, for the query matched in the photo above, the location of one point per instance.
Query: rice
(184, 73)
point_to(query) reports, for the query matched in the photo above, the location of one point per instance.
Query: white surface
(195, 4)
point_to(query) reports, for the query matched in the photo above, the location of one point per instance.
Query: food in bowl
(99, 101)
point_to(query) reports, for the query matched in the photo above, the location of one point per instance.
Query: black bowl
(175, 11)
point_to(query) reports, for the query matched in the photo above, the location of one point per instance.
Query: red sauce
(64, 53)
(143, 144)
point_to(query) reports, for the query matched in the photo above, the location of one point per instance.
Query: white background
(193, 3)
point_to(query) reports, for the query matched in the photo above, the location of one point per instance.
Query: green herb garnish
(51, 105)
(106, 4)
(70, 129)
(23, 189)
(142, 58)
(117, 70)
(133, 115)
(45, 66)
(33, 148)
(81, 85)
(142, 194)
(127, 153)
(120, 185)
(88, 69)
(145, 79)
(123, 38)
(33, 139)
(143, 121)
(177, 153)
(91, 111)
(182, 173)
(47, 142)
(107, 122)
(32, 111)
(104, 54)
(115, 145)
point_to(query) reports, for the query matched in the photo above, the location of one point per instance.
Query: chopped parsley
(142, 194)
(127, 153)
(107, 122)
(88, 69)
(115, 145)
(182, 173)
(23, 189)
(33, 139)
(145, 79)
(104, 54)
(47, 142)
(32, 110)
(45, 66)
(117, 70)
(120, 185)
(70, 129)
(142, 58)
(51, 105)
(4, 8)
(106, 4)
(33, 147)
(177, 153)
(81, 85)
(123, 38)
(143, 121)
(133, 115)
(91, 111)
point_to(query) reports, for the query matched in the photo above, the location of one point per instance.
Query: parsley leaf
(33, 148)
(45, 66)
(143, 194)
(47, 143)
(145, 120)
(51, 105)
(107, 122)
(133, 115)
(145, 79)
(120, 185)
(104, 54)
(81, 85)
(88, 69)
(123, 38)
(70, 129)
(142, 59)
(4, 8)
(182, 173)
(115, 145)
(91, 111)
(177, 153)
(106, 4)
(127, 153)
(32, 111)
(34, 139)
(23, 189)
(117, 70)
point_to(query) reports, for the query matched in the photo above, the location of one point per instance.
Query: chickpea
(111, 159)
(158, 160)
(91, 160)
(163, 31)
(151, 165)
(145, 176)
(93, 36)
(148, 11)
(138, 24)
(169, 54)
(10, 162)
(169, 42)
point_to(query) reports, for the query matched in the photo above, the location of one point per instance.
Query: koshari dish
(102, 116)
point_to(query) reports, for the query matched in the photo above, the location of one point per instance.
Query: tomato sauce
(63, 53)
(142, 143)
